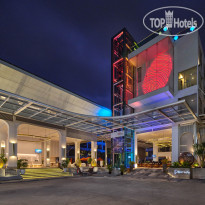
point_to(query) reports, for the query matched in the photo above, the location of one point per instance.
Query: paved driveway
(102, 190)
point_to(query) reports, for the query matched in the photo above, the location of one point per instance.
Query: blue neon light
(154, 156)
(176, 38)
(38, 151)
(165, 28)
(103, 112)
(192, 28)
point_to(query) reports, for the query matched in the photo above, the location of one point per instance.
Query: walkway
(40, 173)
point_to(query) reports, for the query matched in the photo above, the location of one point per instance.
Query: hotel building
(157, 104)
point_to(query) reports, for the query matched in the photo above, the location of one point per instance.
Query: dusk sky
(69, 42)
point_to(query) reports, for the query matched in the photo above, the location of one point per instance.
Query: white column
(135, 149)
(12, 144)
(155, 152)
(62, 146)
(195, 132)
(47, 153)
(175, 143)
(77, 150)
(94, 150)
(105, 153)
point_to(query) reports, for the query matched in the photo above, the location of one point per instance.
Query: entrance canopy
(154, 119)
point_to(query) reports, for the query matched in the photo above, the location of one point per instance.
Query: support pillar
(105, 153)
(47, 147)
(12, 144)
(135, 149)
(62, 146)
(155, 152)
(77, 150)
(195, 133)
(94, 150)
(175, 143)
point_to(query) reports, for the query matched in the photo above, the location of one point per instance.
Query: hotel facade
(157, 104)
(159, 83)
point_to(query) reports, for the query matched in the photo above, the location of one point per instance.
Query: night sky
(69, 42)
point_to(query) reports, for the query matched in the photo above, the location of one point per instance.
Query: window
(139, 75)
(187, 78)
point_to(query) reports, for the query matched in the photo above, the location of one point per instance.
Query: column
(12, 144)
(62, 146)
(105, 153)
(135, 149)
(77, 150)
(94, 150)
(175, 143)
(155, 151)
(195, 132)
(47, 147)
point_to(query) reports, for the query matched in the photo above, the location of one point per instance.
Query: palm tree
(199, 150)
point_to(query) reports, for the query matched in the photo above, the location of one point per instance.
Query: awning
(158, 118)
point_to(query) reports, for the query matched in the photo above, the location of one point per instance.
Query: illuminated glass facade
(154, 68)
(122, 91)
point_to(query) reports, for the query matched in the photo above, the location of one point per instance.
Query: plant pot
(164, 168)
(2, 172)
(22, 171)
(65, 169)
(18, 171)
(198, 173)
(121, 173)
(110, 172)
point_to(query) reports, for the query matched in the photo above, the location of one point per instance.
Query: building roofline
(47, 82)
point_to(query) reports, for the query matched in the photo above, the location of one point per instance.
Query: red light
(157, 75)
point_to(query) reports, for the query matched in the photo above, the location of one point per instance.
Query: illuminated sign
(38, 151)
(181, 171)
(154, 156)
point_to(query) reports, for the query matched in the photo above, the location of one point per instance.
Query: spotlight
(165, 28)
(192, 28)
(176, 38)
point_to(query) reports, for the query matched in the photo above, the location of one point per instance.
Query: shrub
(89, 160)
(109, 167)
(131, 165)
(122, 168)
(22, 163)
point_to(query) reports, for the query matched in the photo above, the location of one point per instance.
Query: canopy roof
(154, 119)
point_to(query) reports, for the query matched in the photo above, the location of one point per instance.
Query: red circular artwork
(157, 75)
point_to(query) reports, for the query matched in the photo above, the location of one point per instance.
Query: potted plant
(89, 160)
(94, 163)
(122, 169)
(65, 165)
(132, 165)
(164, 165)
(21, 165)
(2, 171)
(109, 168)
(199, 150)
(4, 159)
(78, 162)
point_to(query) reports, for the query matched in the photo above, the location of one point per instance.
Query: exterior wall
(185, 55)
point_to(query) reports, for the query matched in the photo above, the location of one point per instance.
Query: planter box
(65, 169)
(180, 173)
(198, 173)
(2, 172)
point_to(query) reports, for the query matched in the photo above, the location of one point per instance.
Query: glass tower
(122, 91)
